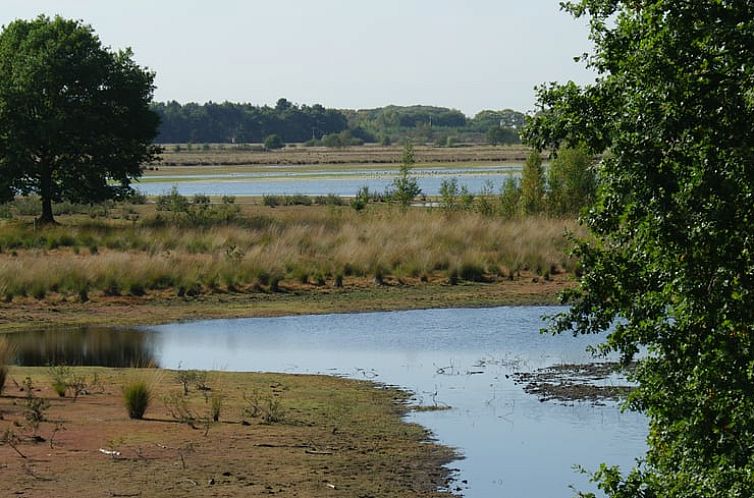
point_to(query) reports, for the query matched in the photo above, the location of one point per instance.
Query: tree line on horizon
(243, 123)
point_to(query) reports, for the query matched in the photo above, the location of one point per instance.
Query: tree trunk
(46, 194)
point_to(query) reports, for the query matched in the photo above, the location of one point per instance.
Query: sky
(467, 55)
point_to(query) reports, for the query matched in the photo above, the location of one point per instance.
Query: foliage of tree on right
(670, 267)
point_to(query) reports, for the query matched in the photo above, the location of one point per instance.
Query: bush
(172, 201)
(35, 408)
(361, 200)
(60, 376)
(268, 408)
(273, 142)
(329, 200)
(449, 194)
(270, 200)
(180, 411)
(137, 396)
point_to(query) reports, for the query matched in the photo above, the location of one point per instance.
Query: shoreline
(125, 311)
(326, 433)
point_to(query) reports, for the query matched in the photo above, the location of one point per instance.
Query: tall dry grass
(305, 245)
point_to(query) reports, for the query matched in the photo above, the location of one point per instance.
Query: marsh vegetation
(202, 248)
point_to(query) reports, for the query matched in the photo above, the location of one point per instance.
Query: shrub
(60, 376)
(273, 412)
(466, 198)
(35, 408)
(361, 200)
(268, 408)
(449, 194)
(172, 201)
(273, 142)
(137, 396)
(270, 200)
(329, 200)
(180, 411)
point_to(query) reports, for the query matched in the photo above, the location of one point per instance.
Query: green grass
(136, 396)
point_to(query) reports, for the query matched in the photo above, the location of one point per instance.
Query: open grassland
(307, 245)
(286, 435)
(364, 154)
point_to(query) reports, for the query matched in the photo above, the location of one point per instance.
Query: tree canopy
(229, 122)
(245, 123)
(671, 267)
(75, 121)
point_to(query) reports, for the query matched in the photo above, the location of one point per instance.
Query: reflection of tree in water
(85, 346)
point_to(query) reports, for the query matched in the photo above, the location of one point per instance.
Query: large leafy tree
(75, 121)
(671, 266)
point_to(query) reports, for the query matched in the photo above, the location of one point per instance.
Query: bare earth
(337, 438)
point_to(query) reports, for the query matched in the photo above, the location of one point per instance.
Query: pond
(322, 182)
(513, 444)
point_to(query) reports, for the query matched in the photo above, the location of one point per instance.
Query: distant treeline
(245, 123)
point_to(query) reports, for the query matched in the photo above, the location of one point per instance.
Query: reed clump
(137, 395)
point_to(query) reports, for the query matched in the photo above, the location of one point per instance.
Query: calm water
(514, 446)
(342, 183)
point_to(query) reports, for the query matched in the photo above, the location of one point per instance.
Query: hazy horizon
(484, 55)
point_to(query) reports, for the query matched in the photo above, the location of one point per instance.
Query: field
(277, 434)
(209, 155)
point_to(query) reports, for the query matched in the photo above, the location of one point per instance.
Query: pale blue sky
(469, 55)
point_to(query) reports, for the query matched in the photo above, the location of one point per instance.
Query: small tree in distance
(75, 117)
(405, 186)
(273, 142)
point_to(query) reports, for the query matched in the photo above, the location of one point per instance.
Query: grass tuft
(137, 396)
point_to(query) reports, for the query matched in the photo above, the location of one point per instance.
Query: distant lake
(322, 182)
(513, 444)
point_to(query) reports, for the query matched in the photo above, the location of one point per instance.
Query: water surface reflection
(514, 446)
(107, 347)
